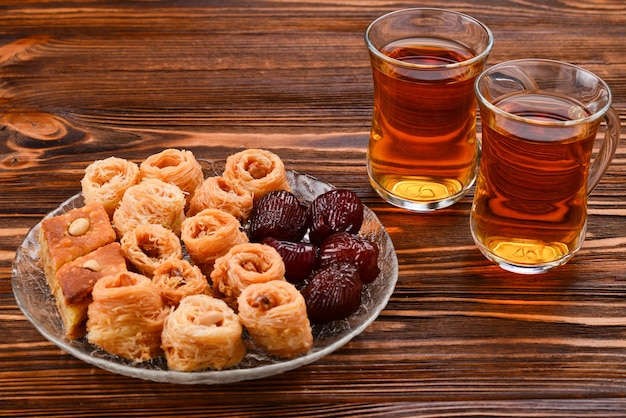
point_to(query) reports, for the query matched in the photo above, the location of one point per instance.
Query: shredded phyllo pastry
(157, 263)
(148, 246)
(176, 279)
(257, 170)
(219, 193)
(178, 167)
(274, 313)
(209, 235)
(202, 332)
(126, 316)
(107, 180)
(243, 265)
(152, 201)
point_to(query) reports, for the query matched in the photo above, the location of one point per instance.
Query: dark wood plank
(85, 80)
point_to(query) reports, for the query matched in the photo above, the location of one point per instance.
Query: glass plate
(36, 302)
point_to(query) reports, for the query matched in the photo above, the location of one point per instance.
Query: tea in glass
(539, 124)
(423, 152)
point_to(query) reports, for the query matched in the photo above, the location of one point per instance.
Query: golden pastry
(258, 170)
(243, 265)
(107, 180)
(152, 201)
(209, 235)
(147, 246)
(126, 316)
(73, 234)
(202, 332)
(176, 279)
(75, 281)
(274, 313)
(178, 167)
(220, 193)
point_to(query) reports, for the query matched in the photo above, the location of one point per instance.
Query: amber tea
(531, 204)
(423, 153)
(423, 140)
(539, 121)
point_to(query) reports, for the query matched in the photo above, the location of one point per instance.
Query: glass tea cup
(540, 119)
(423, 153)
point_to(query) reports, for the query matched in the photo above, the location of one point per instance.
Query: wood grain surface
(83, 80)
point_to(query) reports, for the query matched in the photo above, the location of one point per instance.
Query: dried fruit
(333, 293)
(300, 258)
(343, 246)
(278, 214)
(338, 210)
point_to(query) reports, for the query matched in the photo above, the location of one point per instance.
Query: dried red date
(278, 214)
(333, 293)
(338, 210)
(299, 258)
(346, 247)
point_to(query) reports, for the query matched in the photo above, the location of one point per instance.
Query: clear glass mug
(540, 119)
(423, 152)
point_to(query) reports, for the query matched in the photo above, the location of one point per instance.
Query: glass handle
(601, 163)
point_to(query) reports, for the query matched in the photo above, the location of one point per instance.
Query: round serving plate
(36, 302)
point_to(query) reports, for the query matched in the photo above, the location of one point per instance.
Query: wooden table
(83, 80)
